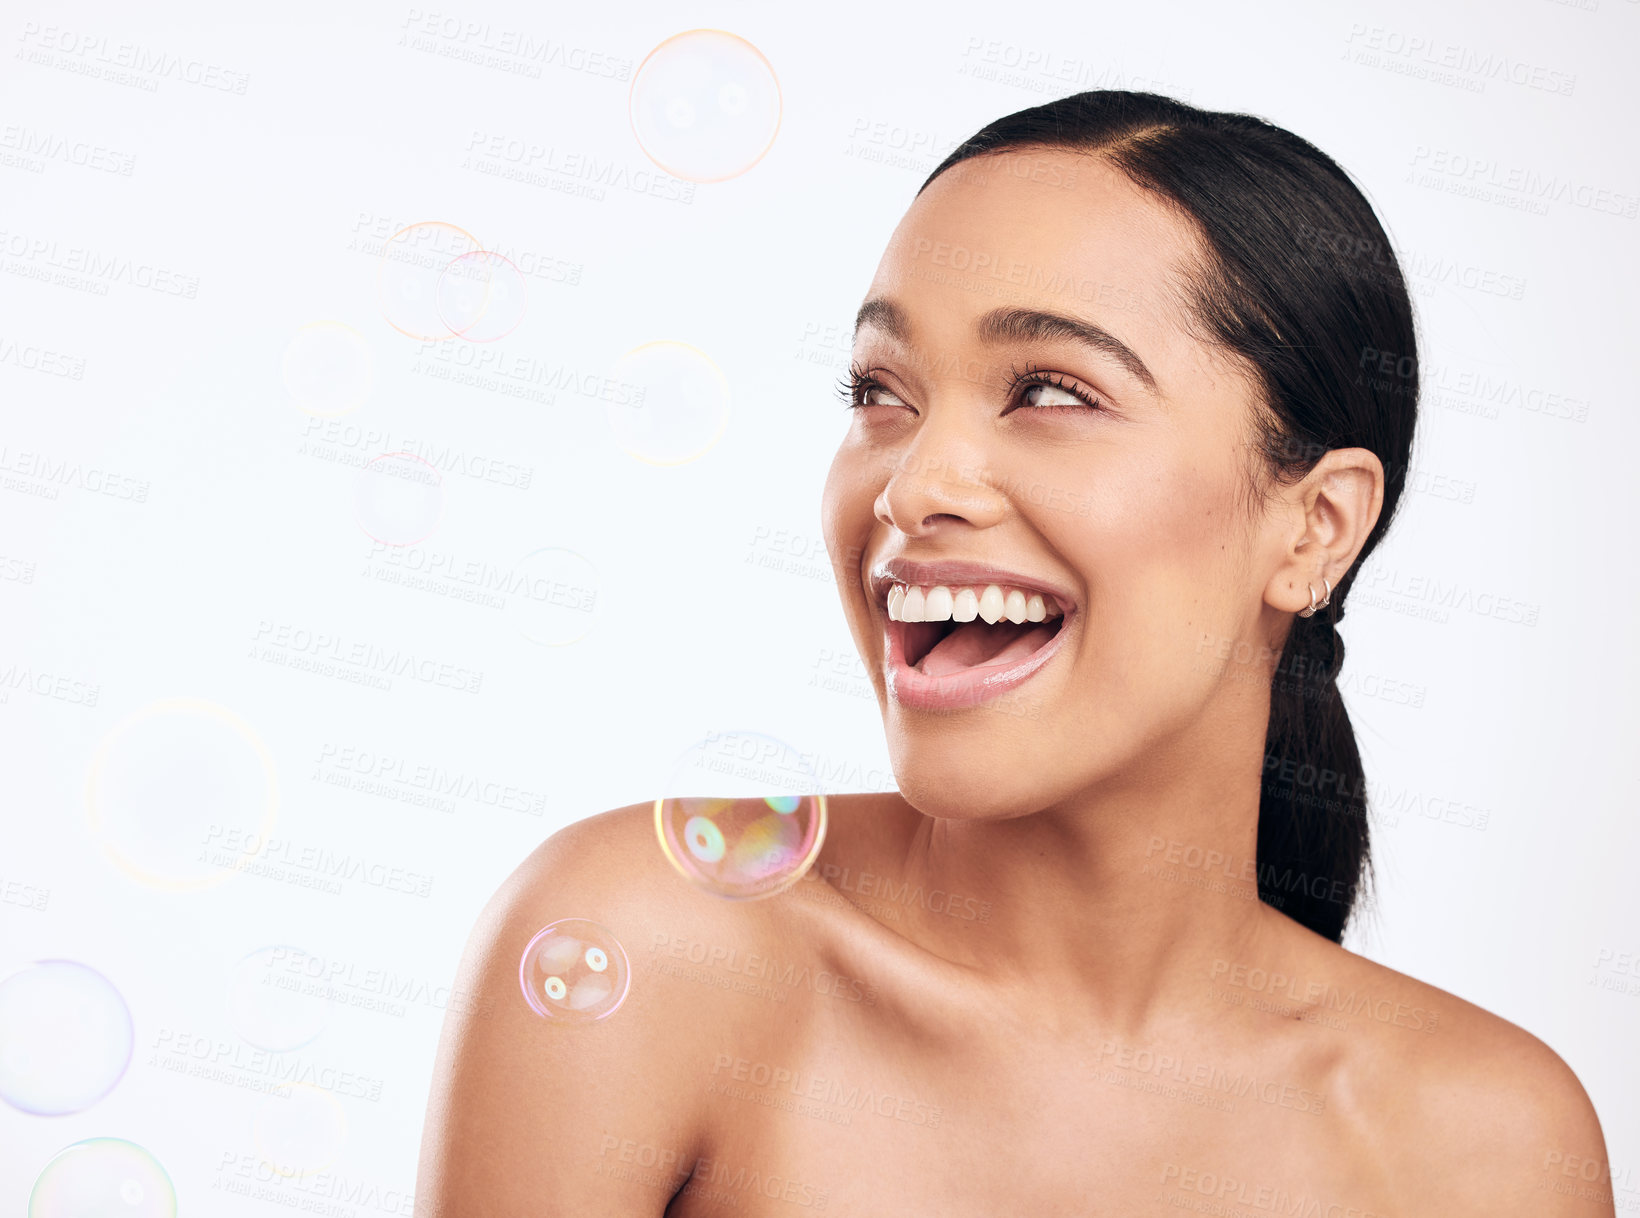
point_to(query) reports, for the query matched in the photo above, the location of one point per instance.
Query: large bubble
(761, 829)
(328, 369)
(556, 604)
(174, 787)
(103, 1178)
(673, 404)
(272, 1004)
(300, 1129)
(705, 105)
(65, 1037)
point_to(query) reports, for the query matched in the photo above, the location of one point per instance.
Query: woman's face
(1135, 511)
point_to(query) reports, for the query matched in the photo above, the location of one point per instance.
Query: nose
(930, 483)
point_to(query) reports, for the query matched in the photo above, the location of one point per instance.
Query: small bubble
(398, 498)
(481, 296)
(574, 971)
(413, 259)
(328, 369)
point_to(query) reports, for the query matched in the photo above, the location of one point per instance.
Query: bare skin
(1036, 979)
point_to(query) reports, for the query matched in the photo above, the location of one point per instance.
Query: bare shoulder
(1472, 1113)
(597, 1099)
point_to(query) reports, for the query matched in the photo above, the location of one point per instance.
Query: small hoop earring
(1310, 612)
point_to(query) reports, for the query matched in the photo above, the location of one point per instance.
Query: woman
(1132, 398)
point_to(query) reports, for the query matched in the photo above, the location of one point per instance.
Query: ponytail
(1312, 822)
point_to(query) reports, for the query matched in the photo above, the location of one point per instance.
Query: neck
(1119, 901)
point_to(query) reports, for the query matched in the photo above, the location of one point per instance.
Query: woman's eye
(868, 390)
(1032, 396)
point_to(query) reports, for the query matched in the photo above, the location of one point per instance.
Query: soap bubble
(674, 404)
(270, 1003)
(300, 1129)
(556, 605)
(65, 1037)
(481, 296)
(103, 1178)
(328, 369)
(182, 794)
(407, 279)
(398, 498)
(574, 971)
(745, 842)
(705, 105)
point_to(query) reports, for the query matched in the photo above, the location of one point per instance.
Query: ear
(1332, 509)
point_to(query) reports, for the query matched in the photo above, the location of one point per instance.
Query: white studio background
(185, 192)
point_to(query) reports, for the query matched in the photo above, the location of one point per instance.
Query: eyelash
(851, 389)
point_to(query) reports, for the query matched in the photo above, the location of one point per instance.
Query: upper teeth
(945, 603)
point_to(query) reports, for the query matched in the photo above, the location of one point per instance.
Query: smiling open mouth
(982, 641)
(939, 649)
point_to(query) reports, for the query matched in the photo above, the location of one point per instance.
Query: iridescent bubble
(328, 369)
(300, 1129)
(65, 1037)
(742, 844)
(705, 105)
(407, 279)
(481, 296)
(272, 1003)
(103, 1178)
(182, 794)
(671, 404)
(398, 498)
(574, 971)
(556, 600)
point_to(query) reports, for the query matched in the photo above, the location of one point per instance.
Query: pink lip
(960, 689)
(966, 689)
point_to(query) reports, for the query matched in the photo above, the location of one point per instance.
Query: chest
(856, 1121)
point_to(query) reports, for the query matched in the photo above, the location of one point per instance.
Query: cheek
(846, 512)
(1155, 554)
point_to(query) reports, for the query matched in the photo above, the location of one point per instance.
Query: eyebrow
(1014, 325)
